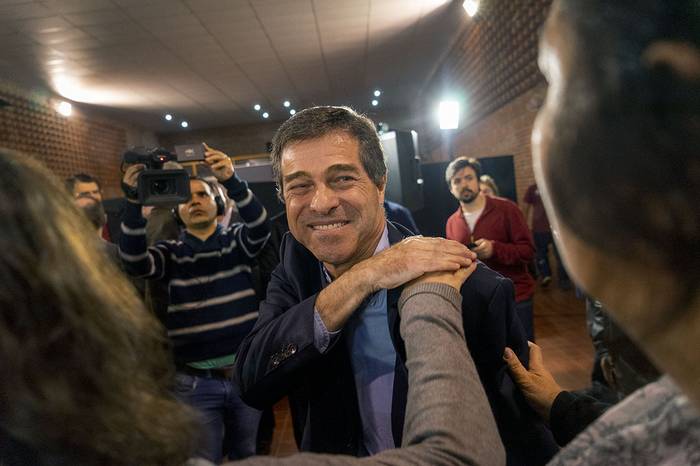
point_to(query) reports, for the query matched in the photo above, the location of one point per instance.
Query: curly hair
(84, 367)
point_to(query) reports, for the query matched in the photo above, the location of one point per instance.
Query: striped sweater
(212, 304)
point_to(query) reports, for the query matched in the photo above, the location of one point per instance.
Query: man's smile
(330, 225)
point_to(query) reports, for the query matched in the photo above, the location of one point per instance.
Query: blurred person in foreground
(616, 159)
(83, 367)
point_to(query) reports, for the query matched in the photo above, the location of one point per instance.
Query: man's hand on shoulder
(220, 163)
(405, 261)
(411, 258)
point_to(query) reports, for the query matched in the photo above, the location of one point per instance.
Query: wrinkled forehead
(320, 154)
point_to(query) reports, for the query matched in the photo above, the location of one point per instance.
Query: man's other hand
(484, 248)
(537, 384)
(411, 258)
(220, 163)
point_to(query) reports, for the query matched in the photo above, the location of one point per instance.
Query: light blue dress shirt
(373, 360)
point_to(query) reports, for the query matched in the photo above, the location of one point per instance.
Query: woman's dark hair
(316, 122)
(83, 365)
(623, 164)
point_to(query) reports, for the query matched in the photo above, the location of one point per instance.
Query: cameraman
(212, 304)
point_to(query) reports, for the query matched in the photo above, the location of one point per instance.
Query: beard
(95, 213)
(468, 196)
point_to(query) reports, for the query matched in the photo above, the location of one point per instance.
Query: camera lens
(163, 187)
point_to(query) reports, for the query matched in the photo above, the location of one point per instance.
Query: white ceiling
(210, 61)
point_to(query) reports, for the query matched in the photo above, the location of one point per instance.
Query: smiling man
(327, 335)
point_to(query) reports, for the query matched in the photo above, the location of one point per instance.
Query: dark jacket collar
(397, 232)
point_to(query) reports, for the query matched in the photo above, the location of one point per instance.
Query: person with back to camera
(84, 373)
(83, 367)
(616, 159)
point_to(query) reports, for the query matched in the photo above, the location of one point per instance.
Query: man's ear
(682, 58)
(382, 189)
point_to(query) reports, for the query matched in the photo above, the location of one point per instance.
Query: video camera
(155, 185)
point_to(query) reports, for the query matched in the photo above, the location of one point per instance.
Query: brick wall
(80, 143)
(506, 131)
(492, 70)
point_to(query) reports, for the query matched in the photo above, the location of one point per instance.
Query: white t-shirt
(472, 217)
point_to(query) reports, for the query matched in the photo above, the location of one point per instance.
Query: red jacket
(503, 223)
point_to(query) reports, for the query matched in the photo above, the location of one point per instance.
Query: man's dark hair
(316, 122)
(629, 132)
(458, 164)
(81, 178)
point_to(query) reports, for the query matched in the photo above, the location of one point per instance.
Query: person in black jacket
(327, 334)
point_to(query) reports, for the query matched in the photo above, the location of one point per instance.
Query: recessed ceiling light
(64, 108)
(375, 102)
(292, 112)
(265, 115)
(184, 124)
(257, 107)
(377, 93)
(286, 103)
(168, 116)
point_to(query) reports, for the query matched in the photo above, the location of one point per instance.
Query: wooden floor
(560, 329)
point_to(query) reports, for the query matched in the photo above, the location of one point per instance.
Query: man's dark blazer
(397, 213)
(279, 358)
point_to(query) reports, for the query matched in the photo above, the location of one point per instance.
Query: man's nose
(324, 200)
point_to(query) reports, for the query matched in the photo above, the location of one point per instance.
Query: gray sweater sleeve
(448, 419)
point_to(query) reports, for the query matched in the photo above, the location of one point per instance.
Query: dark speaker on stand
(405, 182)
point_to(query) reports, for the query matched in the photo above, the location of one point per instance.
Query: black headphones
(220, 204)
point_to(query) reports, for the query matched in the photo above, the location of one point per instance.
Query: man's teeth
(330, 226)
